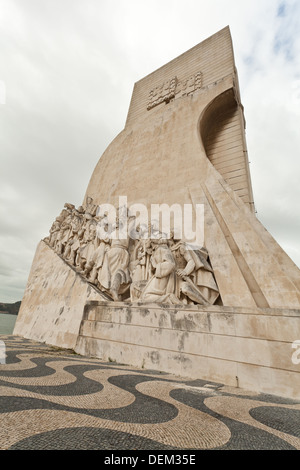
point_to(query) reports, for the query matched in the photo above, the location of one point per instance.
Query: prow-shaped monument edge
(166, 250)
(54, 299)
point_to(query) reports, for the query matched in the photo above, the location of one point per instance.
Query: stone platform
(183, 147)
(246, 347)
(53, 399)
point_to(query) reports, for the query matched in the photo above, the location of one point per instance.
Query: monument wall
(161, 135)
(53, 302)
(226, 310)
(247, 348)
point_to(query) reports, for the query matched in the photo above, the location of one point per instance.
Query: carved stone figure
(76, 223)
(195, 280)
(140, 268)
(90, 207)
(88, 246)
(203, 276)
(115, 276)
(76, 236)
(93, 267)
(161, 286)
(55, 228)
(146, 267)
(64, 234)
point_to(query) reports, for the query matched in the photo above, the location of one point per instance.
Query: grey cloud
(69, 68)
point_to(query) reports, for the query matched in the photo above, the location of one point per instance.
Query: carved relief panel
(174, 88)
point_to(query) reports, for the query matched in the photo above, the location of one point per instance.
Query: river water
(7, 323)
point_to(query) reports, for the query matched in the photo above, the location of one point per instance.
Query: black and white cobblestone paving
(53, 399)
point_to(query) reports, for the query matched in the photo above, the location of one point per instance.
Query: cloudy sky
(67, 70)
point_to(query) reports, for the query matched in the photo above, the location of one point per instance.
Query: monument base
(246, 348)
(53, 302)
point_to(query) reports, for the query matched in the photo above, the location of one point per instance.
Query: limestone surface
(219, 300)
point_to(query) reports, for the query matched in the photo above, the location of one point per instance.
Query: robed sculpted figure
(195, 282)
(115, 276)
(127, 264)
(160, 287)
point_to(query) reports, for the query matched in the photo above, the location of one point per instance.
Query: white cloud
(68, 68)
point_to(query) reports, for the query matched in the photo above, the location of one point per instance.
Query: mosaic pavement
(53, 399)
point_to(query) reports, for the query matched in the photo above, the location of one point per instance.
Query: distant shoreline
(10, 308)
(8, 313)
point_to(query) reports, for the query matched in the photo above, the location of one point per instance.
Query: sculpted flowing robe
(116, 261)
(161, 285)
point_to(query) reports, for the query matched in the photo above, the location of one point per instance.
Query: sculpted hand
(181, 273)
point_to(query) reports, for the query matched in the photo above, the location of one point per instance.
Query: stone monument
(165, 265)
